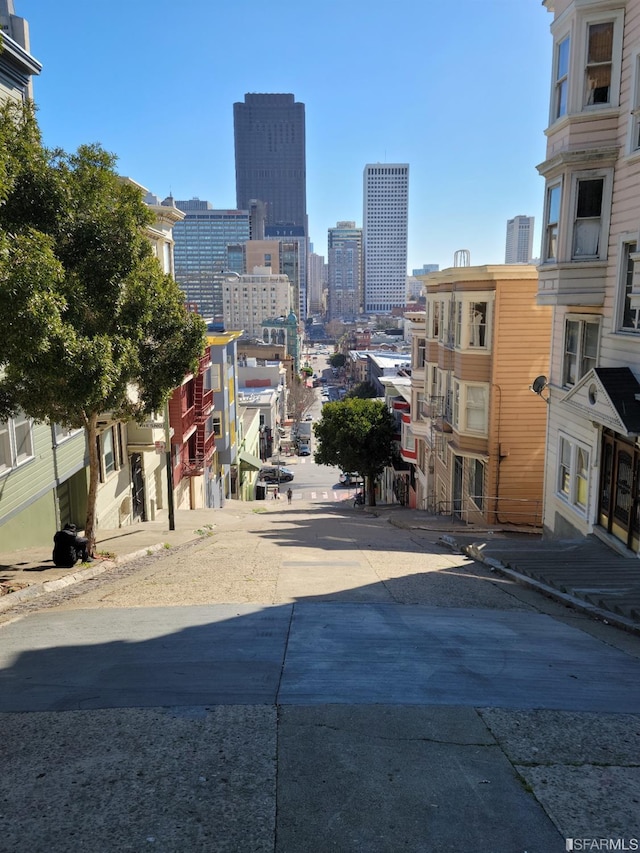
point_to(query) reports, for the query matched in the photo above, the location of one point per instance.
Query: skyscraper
(344, 297)
(386, 201)
(519, 248)
(208, 241)
(270, 157)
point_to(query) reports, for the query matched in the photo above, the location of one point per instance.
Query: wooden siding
(472, 366)
(517, 418)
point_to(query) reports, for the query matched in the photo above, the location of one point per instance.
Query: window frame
(577, 178)
(585, 22)
(580, 369)
(16, 459)
(561, 81)
(626, 275)
(568, 477)
(550, 224)
(460, 407)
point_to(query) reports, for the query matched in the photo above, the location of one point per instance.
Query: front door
(137, 488)
(457, 486)
(619, 498)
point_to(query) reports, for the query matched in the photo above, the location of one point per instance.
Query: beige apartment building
(590, 272)
(248, 300)
(478, 430)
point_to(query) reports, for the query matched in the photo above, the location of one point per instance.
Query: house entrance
(619, 498)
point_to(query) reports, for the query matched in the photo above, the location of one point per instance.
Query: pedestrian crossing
(320, 495)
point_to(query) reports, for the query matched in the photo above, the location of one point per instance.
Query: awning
(251, 460)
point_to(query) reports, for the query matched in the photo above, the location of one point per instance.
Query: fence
(480, 509)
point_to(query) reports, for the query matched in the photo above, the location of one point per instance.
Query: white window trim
(459, 418)
(562, 36)
(463, 340)
(582, 319)
(633, 132)
(558, 182)
(571, 499)
(13, 451)
(64, 434)
(623, 241)
(579, 68)
(590, 174)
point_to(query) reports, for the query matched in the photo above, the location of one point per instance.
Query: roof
(623, 390)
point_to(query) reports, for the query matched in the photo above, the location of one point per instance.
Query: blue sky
(458, 89)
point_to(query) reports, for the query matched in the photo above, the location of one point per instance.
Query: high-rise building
(519, 248)
(317, 283)
(293, 251)
(270, 156)
(345, 271)
(386, 202)
(208, 243)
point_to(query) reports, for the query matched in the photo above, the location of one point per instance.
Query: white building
(386, 201)
(249, 299)
(519, 246)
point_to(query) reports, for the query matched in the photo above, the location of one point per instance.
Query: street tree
(300, 399)
(337, 359)
(92, 325)
(356, 435)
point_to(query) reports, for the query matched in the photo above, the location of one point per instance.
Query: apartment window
(420, 352)
(478, 324)
(436, 320)
(552, 217)
(62, 433)
(599, 63)
(630, 317)
(476, 408)
(16, 443)
(561, 77)
(587, 226)
(216, 424)
(573, 473)
(634, 142)
(458, 324)
(108, 452)
(580, 349)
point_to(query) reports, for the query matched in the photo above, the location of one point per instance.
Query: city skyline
(166, 109)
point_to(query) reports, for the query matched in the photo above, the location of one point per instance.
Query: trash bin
(261, 492)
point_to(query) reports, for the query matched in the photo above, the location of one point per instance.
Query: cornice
(585, 157)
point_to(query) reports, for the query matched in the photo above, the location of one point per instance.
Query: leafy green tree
(92, 325)
(338, 359)
(356, 435)
(363, 390)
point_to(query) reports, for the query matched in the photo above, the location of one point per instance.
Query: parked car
(304, 450)
(269, 474)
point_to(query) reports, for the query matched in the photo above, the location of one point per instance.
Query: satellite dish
(539, 384)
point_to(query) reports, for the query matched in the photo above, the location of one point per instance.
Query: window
(588, 218)
(550, 249)
(561, 78)
(63, 432)
(16, 443)
(436, 320)
(573, 473)
(216, 424)
(108, 454)
(478, 324)
(580, 349)
(599, 63)
(420, 352)
(476, 408)
(630, 317)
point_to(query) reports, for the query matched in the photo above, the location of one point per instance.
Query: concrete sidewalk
(585, 573)
(31, 572)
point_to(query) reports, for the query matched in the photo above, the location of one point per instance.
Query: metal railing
(480, 509)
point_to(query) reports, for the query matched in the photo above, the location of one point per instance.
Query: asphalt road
(313, 678)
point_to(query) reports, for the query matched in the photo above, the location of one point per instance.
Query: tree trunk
(94, 476)
(370, 489)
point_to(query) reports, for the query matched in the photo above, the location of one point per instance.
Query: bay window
(561, 78)
(629, 316)
(598, 70)
(552, 218)
(587, 226)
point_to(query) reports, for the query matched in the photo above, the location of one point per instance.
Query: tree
(338, 359)
(363, 390)
(356, 435)
(300, 399)
(91, 323)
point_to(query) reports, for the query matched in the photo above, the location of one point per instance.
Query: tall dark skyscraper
(270, 157)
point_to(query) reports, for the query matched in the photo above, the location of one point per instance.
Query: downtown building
(270, 159)
(208, 243)
(519, 244)
(385, 219)
(345, 272)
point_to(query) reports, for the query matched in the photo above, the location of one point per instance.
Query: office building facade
(269, 131)
(385, 221)
(519, 246)
(206, 246)
(345, 271)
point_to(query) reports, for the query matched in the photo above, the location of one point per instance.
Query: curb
(606, 616)
(36, 590)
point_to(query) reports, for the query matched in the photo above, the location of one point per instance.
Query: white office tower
(386, 202)
(519, 248)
